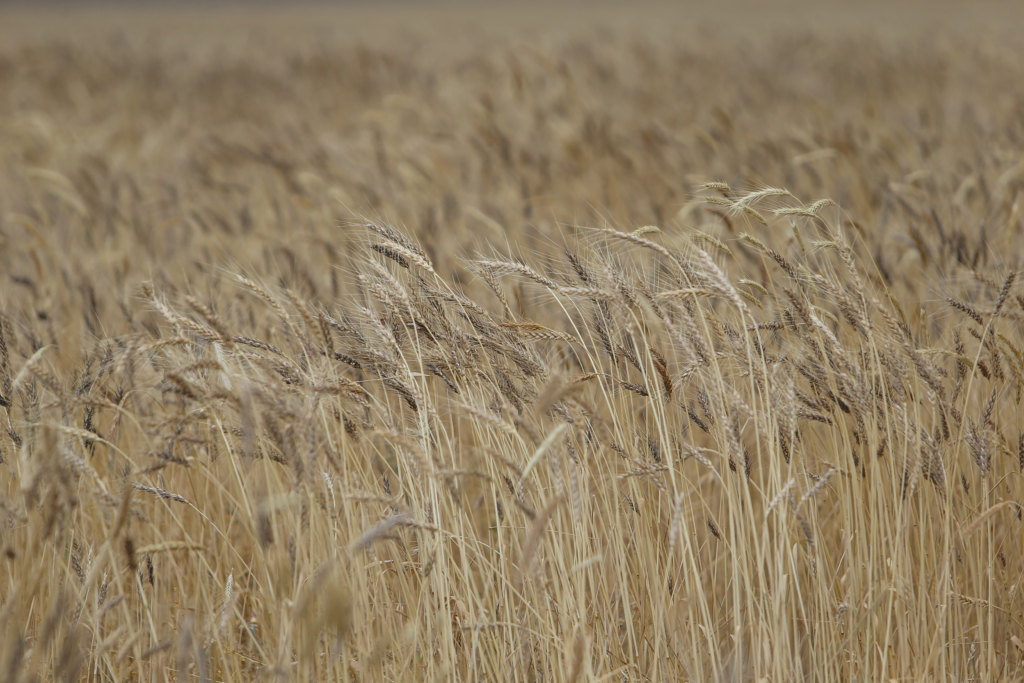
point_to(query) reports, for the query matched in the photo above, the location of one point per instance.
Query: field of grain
(564, 345)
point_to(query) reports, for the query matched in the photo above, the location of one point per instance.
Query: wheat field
(574, 344)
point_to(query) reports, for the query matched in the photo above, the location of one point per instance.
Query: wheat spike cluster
(602, 357)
